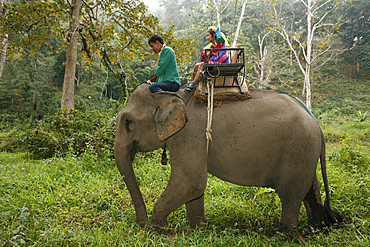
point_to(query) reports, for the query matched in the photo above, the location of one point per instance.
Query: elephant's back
(257, 92)
(275, 104)
(260, 132)
(267, 109)
(263, 94)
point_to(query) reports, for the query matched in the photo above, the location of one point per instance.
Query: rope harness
(210, 89)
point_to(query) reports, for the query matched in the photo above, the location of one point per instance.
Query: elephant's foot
(292, 234)
(159, 225)
(196, 222)
(155, 228)
(195, 212)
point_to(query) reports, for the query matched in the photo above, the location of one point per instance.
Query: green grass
(82, 201)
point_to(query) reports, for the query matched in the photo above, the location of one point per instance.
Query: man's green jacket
(167, 66)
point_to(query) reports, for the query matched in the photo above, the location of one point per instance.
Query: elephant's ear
(169, 115)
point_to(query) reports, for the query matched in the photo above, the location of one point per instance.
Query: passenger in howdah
(217, 40)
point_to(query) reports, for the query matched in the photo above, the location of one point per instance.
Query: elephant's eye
(128, 124)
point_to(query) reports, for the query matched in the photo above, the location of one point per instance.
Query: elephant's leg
(195, 211)
(291, 193)
(186, 183)
(316, 214)
(290, 214)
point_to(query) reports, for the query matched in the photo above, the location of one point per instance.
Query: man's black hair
(154, 39)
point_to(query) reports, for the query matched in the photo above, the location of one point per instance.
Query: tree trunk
(126, 87)
(105, 84)
(263, 52)
(308, 55)
(3, 40)
(3, 48)
(71, 58)
(34, 104)
(358, 65)
(308, 87)
(217, 14)
(239, 24)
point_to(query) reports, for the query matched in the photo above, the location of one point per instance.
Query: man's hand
(151, 79)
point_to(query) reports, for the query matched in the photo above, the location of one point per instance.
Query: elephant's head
(143, 125)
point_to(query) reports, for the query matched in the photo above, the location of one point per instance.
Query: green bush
(330, 70)
(67, 131)
(350, 155)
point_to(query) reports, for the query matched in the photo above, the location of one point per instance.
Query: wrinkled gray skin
(269, 140)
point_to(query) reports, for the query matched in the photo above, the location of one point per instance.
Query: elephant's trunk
(124, 165)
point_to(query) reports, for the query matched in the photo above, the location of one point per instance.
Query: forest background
(318, 51)
(109, 64)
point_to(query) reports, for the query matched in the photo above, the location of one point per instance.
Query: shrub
(351, 156)
(67, 131)
(330, 70)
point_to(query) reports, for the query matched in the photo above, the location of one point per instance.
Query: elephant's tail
(333, 215)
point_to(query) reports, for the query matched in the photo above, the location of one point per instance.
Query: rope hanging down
(209, 109)
(209, 113)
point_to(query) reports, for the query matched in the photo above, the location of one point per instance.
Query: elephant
(270, 140)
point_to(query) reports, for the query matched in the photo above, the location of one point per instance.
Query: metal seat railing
(225, 74)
